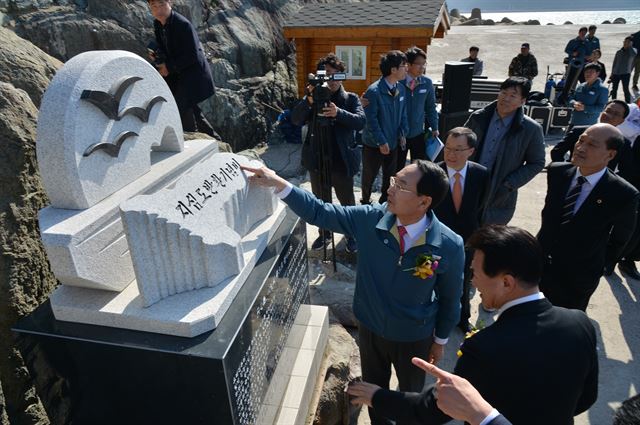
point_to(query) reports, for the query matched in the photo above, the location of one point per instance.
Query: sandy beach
(500, 43)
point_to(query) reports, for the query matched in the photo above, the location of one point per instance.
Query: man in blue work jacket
(421, 107)
(409, 273)
(386, 127)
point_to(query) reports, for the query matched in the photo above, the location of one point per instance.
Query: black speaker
(456, 81)
(451, 120)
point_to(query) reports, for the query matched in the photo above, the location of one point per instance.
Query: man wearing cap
(524, 65)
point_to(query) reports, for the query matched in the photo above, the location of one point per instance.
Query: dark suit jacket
(537, 364)
(628, 161)
(599, 231)
(474, 193)
(567, 144)
(189, 77)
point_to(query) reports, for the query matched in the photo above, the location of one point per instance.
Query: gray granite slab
(99, 119)
(188, 236)
(186, 314)
(88, 248)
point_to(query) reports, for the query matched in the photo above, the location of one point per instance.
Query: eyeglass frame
(393, 182)
(456, 151)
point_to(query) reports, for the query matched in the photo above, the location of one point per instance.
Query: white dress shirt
(587, 186)
(521, 300)
(463, 175)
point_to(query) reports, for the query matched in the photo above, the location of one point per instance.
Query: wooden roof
(412, 13)
(425, 15)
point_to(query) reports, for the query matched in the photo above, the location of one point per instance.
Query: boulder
(476, 13)
(619, 21)
(25, 66)
(454, 13)
(343, 360)
(338, 296)
(4, 419)
(606, 22)
(567, 23)
(550, 23)
(63, 33)
(26, 279)
(532, 22)
(470, 22)
(488, 22)
(506, 20)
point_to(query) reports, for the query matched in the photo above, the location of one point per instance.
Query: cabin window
(355, 60)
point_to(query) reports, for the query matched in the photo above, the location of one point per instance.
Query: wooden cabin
(359, 33)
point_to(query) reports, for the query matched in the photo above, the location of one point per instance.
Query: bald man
(588, 217)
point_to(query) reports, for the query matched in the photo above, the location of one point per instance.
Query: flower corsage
(474, 330)
(426, 266)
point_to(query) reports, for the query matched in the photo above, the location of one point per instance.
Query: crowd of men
(438, 228)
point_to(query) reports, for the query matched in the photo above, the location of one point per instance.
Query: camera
(154, 50)
(321, 92)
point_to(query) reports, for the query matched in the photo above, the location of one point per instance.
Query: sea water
(559, 18)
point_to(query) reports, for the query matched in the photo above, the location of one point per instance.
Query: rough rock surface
(338, 296)
(251, 62)
(25, 66)
(4, 419)
(344, 365)
(476, 13)
(63, 33)
(619, 21)
(25, 277)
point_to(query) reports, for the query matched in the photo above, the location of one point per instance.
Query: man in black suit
(461, 209)
(588, 218)
(537, 364)
(181, 61)
(627, 166)
(614, 113)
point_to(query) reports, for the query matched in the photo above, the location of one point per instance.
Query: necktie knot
(392, 91)
(581, 180)
(569, 207)
(457, 176)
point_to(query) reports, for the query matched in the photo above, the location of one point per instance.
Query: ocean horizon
(558, 18)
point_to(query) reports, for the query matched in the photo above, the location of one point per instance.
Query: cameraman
(346, 116)
(180, 59)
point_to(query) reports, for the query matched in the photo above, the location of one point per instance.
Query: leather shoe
(628, 267)
(464, 327)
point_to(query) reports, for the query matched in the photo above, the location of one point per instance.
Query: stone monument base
(257, 364)
(186, 314)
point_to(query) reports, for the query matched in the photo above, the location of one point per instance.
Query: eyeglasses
(393, 182)
(451, 150)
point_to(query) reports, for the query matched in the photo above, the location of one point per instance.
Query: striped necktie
(570, 201)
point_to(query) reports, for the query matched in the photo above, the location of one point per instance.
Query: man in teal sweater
(409, 273)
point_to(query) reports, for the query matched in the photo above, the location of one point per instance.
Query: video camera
(154, 50)
(321, 92)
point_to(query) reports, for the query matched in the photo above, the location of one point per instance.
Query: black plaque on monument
(119, 376)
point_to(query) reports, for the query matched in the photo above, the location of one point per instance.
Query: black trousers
(194, 120)
(372, 160)
(632, 250)
(341, 182)
(465, 299)
(565, 288)
(418, 150)
(616, 79)
(377, 354)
